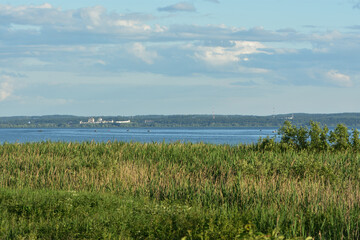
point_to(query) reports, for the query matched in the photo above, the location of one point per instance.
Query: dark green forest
(69, 121)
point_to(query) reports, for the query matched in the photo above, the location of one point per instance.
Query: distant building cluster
(290, 118)
(101, 121)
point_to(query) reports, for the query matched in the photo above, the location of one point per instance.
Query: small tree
(302, 135)
(355, 141)
(288, 133)
(339, 138)
(318, 136)
(324, 144)
(315, 131)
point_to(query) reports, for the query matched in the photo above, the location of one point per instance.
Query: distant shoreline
(170, 121)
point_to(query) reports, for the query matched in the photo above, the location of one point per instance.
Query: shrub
(293, 136)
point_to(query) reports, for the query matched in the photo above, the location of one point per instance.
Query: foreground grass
(68, 215)
(170, 191)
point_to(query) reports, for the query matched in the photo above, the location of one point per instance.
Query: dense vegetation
(300, 119)
(313, 139)
(291, 189)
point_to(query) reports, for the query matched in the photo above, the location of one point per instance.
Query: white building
(128, 121)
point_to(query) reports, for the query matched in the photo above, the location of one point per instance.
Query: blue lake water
(207, 135)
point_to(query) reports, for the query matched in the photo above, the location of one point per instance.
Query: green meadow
(117, 190)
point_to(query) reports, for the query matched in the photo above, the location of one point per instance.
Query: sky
(140, 57)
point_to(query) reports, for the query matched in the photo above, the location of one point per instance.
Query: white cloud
(219, 56)
(216, 55)
(97, 19)
(93, 15)
(101, 62)
(44, 6)
(34, 15)
(339, 79)
(32, 62)
(160, 29)
(94, 19)
(6, 87)
(327, 36)
(286, 51)
(140, 51)
(96, 24)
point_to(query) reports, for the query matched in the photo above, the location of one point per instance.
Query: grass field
(179, 190)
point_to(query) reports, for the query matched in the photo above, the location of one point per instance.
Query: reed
(188, 190)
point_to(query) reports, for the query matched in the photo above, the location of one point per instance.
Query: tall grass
(173, 190)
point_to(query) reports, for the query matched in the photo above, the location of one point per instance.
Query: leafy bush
(266, 144)
(293, 136)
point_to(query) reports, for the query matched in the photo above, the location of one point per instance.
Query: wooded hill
(69, 121)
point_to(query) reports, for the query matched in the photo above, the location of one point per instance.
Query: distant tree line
(276, 121)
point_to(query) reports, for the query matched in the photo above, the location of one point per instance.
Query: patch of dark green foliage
(314, 139)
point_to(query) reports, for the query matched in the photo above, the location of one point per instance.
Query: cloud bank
(179, 7)
(85, 40)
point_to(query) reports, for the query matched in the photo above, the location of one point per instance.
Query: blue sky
(140, 57)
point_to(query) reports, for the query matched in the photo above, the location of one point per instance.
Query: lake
(144, 135)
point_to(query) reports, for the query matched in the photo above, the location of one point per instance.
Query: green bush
(293, 136)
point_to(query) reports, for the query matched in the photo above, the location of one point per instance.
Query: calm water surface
(194, 135)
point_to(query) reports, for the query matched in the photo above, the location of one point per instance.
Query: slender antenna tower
(213, 114)
(273, 112)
